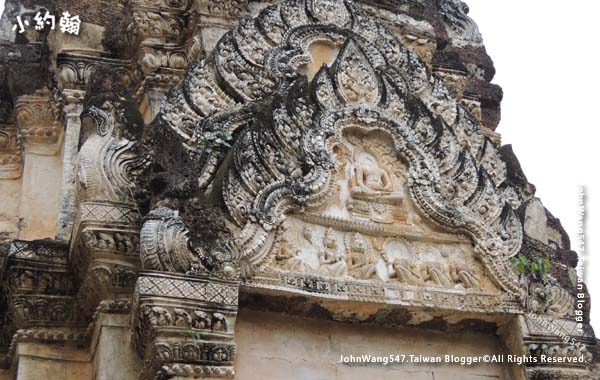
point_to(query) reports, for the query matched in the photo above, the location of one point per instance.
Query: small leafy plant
(537, 268)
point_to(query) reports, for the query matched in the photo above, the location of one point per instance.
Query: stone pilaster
(38, 123)
(67, 205)
(105, 243)
(38, 119)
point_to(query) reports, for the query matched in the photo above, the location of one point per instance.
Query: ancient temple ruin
(258, 189)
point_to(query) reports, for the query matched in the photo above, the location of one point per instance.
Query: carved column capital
(184, 325)
(166, 36)
(40, 294)
(11, 152)
(38, 120)
(74, 71)
(559, 348)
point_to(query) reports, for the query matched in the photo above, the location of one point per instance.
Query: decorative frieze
(560, 348)
(40, 250)
(235, 9)
(576, 356)
(171, 60)
(163, 32)
(170, 5)
(393, 294)
(155, 28)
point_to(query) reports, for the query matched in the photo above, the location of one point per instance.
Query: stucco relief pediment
(370, 230)
(341, 130)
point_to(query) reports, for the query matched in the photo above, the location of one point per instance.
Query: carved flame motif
(330, 12)
(355, 77)
(458, 24)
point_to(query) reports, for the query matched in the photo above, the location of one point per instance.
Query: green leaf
(546, 265)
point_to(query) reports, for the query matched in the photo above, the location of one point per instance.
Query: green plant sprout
(537, 268)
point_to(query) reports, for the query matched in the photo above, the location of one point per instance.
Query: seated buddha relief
(371, 182)
(374, 192)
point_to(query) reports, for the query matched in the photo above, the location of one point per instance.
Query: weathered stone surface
(273, 346)
(332, 160)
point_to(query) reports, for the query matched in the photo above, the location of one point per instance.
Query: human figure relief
(331, 261)
(462, 275)
(201, 320)
(404, 270)
(288, 259)
(369, 181)
(219, 322)
(359, 264)
(433, 273)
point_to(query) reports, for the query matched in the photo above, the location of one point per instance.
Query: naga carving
(461, 28)
(110, 156)
(282, 160)
(549, 298)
